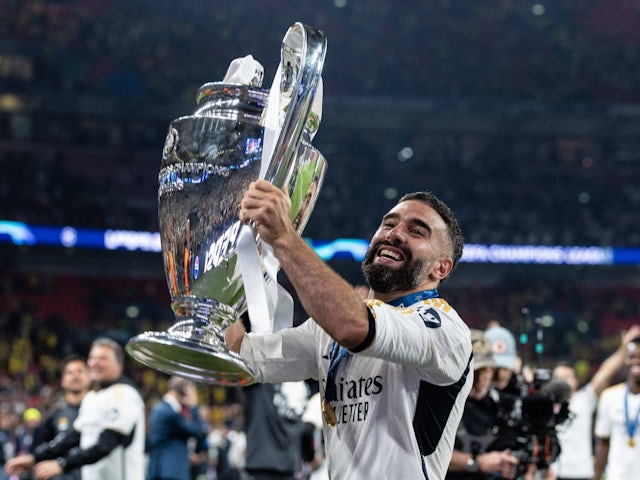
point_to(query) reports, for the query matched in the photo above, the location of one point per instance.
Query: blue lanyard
(337, 354)
(631, 425)
(412, 298)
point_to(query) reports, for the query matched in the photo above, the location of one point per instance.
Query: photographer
(482, 440)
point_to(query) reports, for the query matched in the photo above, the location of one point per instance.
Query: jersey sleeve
(428, 335)
(122, 416)
(287, 355)
(603, 421)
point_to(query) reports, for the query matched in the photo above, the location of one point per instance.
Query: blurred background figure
(274, 430)
(503, 347)
(482, 443)
(75, 383)
(8, 423)
(575, 461)
(617, 435)
(172, 423)
(26, 432)
(315, 459)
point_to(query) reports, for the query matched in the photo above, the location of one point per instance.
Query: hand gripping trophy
(239, 133)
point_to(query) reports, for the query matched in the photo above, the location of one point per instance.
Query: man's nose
(395, 235)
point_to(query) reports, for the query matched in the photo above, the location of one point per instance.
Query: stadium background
(524, 116)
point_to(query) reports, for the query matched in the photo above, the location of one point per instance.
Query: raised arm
(612, 365)
(328, 298)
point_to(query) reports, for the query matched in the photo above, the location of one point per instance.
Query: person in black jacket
(75, 383)
(481, 449)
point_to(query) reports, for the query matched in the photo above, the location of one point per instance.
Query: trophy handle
(302, 58)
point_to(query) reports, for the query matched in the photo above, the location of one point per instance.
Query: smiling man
(394, 370)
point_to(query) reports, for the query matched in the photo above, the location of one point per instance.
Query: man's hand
(19, 465)
(269, 208)
(502, 462)
(233, 336)
(190, 398)
(46, 469)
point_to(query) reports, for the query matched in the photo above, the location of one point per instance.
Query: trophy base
(171, 353)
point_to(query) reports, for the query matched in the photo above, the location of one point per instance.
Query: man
(274, 428)
(618, 438)
(109, 431)
(8, 421)
(575, 461)
(26, 433)
(394, 370)
(480, 451)
(169, 431)
(503, 345)
(75, 384)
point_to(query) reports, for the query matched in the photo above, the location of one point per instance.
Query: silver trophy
(208, 161)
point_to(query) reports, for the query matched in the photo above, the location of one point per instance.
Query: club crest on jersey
(429, 316)
(112, 414)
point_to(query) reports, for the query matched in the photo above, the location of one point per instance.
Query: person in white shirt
(575, 461)
(395, 369)
(618, 437)
(107, 439)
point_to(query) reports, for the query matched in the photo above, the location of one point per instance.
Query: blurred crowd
(46, 317)
(567, 199)
(547, 50)
(97, 84)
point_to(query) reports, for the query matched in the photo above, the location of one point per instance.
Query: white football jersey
(118, 407)
(398, 402)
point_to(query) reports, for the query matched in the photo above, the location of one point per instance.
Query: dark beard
(383, 279)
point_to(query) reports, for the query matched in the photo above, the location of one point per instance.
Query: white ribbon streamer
(270, 305)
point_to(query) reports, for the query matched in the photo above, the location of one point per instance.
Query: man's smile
(388, 255)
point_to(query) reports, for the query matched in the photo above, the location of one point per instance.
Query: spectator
(575, 461)
(26, 432)
(616, 430)
(172, 422)
(7, 437)
(75, 384)
(503, 346)
(483, 439)
(274, 428)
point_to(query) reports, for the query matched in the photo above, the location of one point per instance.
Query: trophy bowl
(208, 161)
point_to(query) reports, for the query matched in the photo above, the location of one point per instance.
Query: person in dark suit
(170, 429)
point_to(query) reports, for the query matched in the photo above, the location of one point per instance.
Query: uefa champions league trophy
(208, 161)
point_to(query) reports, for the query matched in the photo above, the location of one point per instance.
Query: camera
(538, 409)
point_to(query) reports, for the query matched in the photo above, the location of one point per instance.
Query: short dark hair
(453, 227)
(72, 358)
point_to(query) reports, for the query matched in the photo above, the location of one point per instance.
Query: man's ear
(442, 267)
